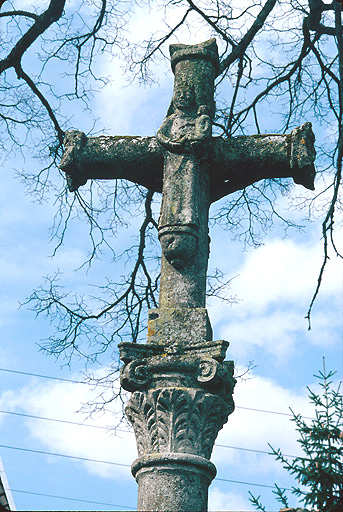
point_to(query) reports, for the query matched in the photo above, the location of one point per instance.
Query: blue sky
(273, 285)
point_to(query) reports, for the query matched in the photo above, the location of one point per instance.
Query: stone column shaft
(166, 485)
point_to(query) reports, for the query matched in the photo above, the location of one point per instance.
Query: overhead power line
(71, 499)
(85, 459)
(92, 384)
(251, 483)
(44, 418)
(268, 412)
(125, 431)
(251, 450)
(43, 376)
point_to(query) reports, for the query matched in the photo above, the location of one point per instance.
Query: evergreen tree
(319, 471)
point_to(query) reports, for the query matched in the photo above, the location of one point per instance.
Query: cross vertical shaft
(182, 388)
(184, 136)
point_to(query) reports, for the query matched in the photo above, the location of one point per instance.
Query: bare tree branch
(42, 23)
(213, 24)
(239, 50)
(328, 223)
(301, 74)
(26, 14)
(21, 74)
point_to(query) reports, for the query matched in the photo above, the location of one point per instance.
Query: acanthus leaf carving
(181, 425)
(150, 416)
(171, 419)
(134, 414)
(172, 410)
(213, 420)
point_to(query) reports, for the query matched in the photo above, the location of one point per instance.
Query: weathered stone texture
(173, 483)
(236, 162)
(179, 326)
(176, 420)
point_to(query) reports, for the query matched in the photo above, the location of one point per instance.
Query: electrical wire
(43, 376)
(127, 431)
(70, 499)
(41, 452)
(92, 384)
(271, 412)
(59, 421)
(251, 483)
(252, 450)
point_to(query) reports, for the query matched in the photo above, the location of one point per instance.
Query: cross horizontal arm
(241, 161)
(235, 162)
(137, 159)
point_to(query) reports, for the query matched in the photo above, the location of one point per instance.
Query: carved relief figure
(182, 135)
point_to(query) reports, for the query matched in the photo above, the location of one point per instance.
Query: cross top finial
(195, 68)
(206, 50)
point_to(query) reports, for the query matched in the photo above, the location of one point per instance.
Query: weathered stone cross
(181, 386)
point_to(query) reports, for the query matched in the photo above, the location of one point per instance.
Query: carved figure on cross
(181, 135)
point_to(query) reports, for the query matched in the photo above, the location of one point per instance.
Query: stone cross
(181, 385)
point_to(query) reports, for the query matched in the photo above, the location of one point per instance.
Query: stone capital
(172, 420)
(193, 370)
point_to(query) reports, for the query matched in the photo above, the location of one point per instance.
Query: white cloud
(253, 430)
(283, 271)
(218, 500)
(62, 401)
(278, 333)
(275, 284)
